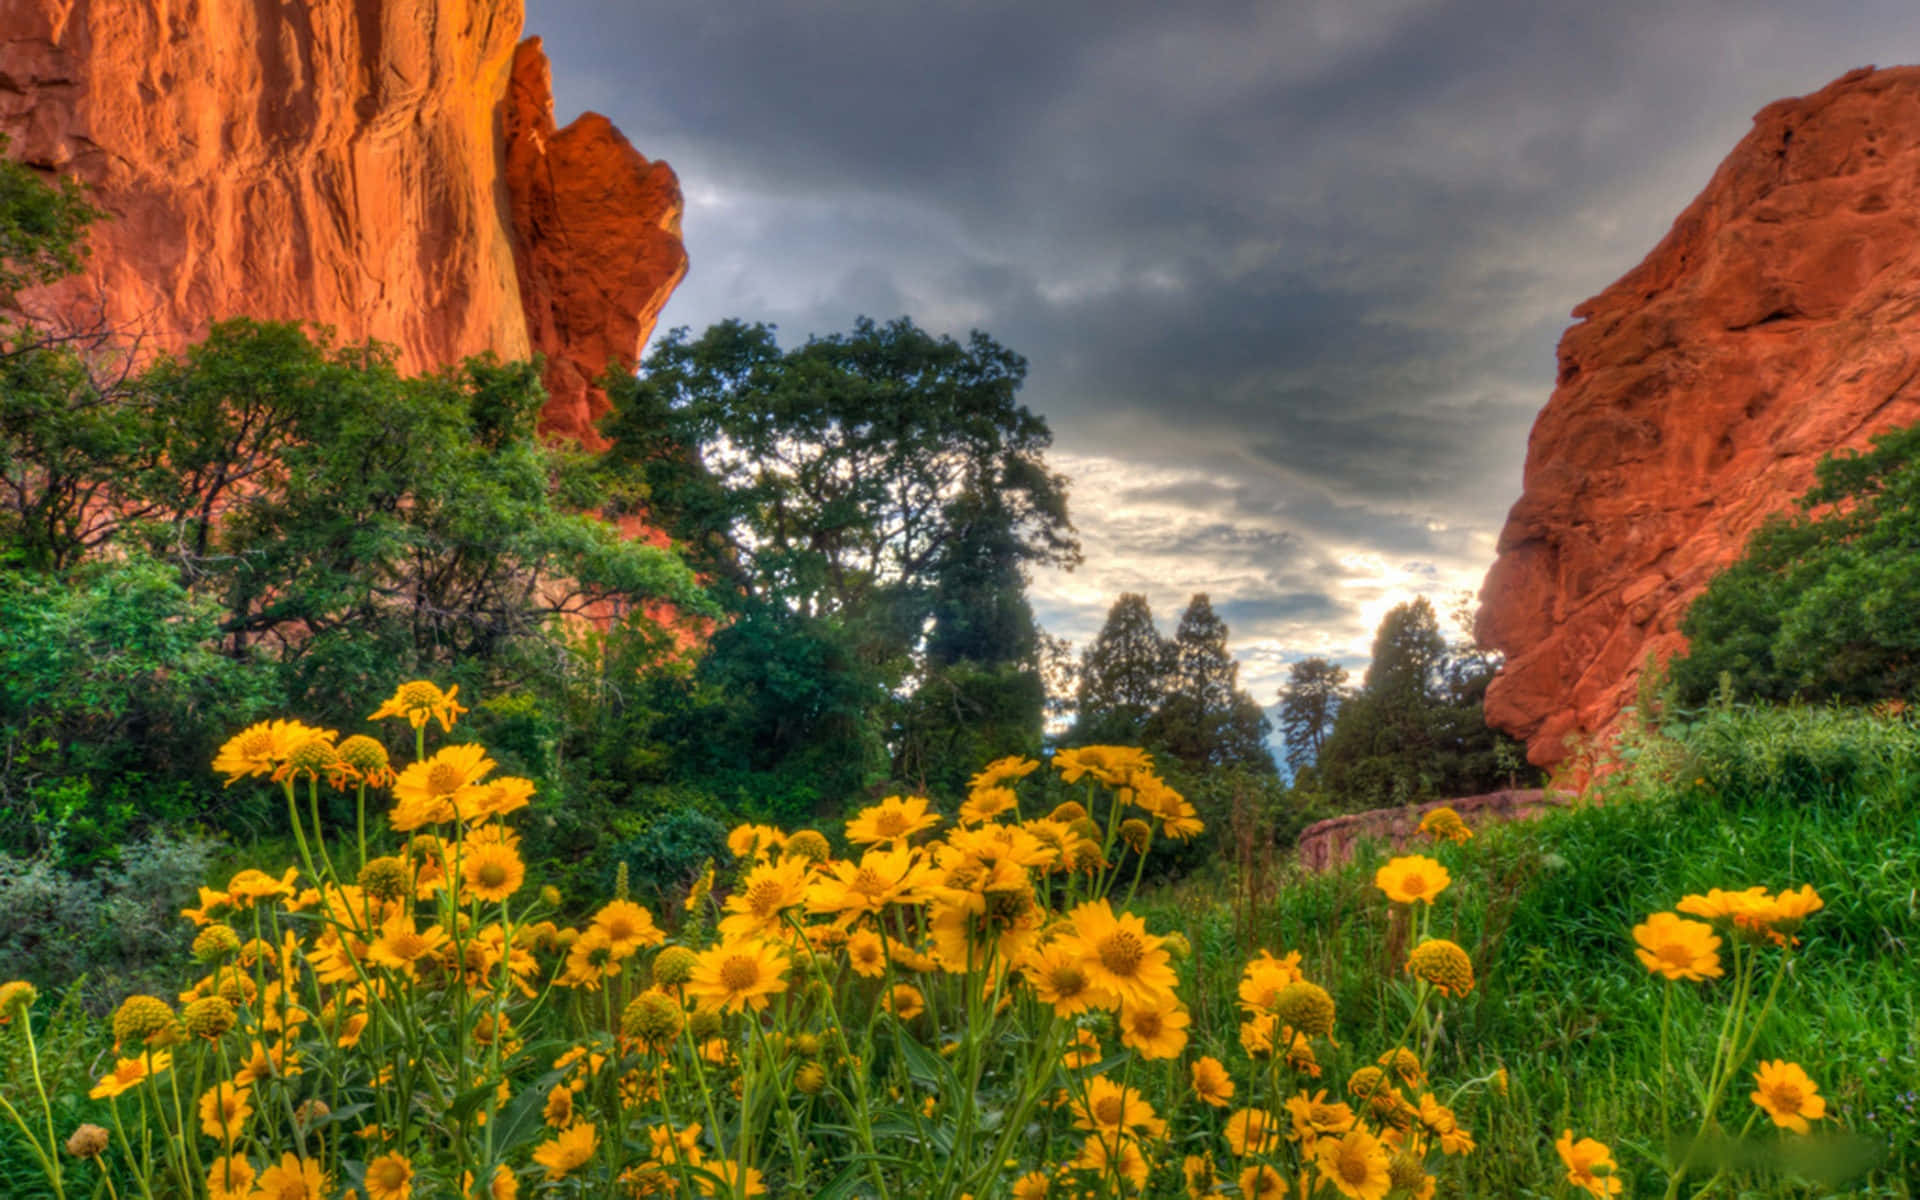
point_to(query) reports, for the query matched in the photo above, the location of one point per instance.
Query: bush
(666, 851)
(117, 929)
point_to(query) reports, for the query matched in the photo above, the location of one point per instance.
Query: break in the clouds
(1289, 275)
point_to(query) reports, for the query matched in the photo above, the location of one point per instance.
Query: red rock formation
(599, 247)
(1777, 321)
(356, 163)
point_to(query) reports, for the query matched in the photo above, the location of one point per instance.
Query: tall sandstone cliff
(1778, 321)
(389, 168)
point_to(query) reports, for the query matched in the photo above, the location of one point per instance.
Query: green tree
(1415, 730)
(979, 694)
(1311, 699)
(837, 477)
(869, 505)
(1822, 603)
(1123, 675)
(330, 524)
(42, 227)
(1205, 718)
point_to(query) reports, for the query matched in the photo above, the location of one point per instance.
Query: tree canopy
(1415, 729)
(1822, 605)
(1180, 695)
(869, 505)
(1311, 699)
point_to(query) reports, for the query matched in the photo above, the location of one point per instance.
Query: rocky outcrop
(598, 247)
(1326, 844)
(388, 169)
(1778, 321)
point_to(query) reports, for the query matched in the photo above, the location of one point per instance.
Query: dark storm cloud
(1289, 275)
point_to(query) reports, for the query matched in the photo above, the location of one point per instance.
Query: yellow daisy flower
(128, 1072)
(758, 906)
(1356, 1164)
(1119, 955)
(1789, 1098)
(892, 821)
(1109, 1108)
(568, 1152)
(1157, 1029)
(628, 927)
(985, 803)
(389, 1177)
(737, 975)
(492, 872)
(1589, 1165)
(1676, 948)
(866, 953)
(1261, 1182)
(1001, 771)
(1111, 1154)
(257, 750)
(1058, 978)
(419, 702)
(1211, 1082)
(1252, 1131)
(224, 1110)
(293, 1179)
(1264, 979)
(1412, 878)
(438, 788)
(230, 1178)
(847, 891)
(1314, 1117)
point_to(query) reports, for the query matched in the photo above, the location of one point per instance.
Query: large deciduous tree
(879, 495)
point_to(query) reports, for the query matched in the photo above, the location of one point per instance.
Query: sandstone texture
(1327, 844)
(389, 168)
(1778, 320)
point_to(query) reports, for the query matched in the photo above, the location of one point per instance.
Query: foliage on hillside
(1823, 602)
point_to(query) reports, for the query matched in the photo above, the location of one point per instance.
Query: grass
(1546, 907)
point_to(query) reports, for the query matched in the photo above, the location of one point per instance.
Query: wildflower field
(1701, 987)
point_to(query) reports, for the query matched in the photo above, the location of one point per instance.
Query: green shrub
(116, 929)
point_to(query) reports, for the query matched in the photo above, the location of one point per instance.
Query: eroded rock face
(1778, 321)
(598, 248)
(1327, 844)
(386, 167)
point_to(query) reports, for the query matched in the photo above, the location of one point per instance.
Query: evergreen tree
(1123, 675)
(980, 695)
(1408, 651)
(1315, 690)
(1415, 730)
(1205, 719)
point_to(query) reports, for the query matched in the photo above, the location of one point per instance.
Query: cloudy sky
(1289, 275)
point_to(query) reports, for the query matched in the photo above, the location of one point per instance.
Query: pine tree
(1123, 675)
(1206, 720)
(1309, 703)
(1415, 730)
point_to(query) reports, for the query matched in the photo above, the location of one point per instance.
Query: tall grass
(1778, 797)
